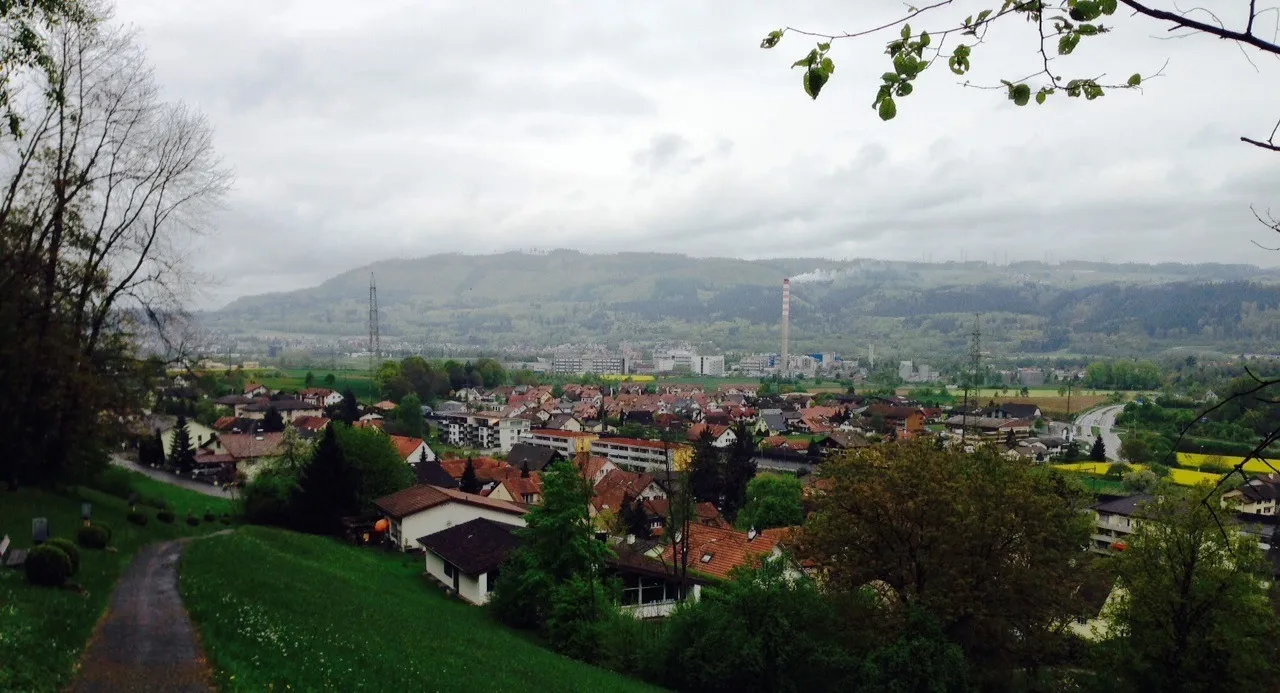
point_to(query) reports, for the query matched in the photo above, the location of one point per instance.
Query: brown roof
(416, 499)
(371, 423)
(487, 469)
(224, 423)
(518, 487)
(310, 423)
(619, 487)
(715, 551)
(474, 547)
(405, 445)
(243, 446)
(695, 431)
(707, 512)
(250, 387)
(591, 464)
(385, 405)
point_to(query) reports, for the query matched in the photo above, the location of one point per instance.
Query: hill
(285, 611)
(489, 302)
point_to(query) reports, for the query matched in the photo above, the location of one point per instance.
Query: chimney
(786, 327)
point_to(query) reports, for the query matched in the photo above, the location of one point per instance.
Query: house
(988, 427)
(255, 390)
(199, 433)
(564, 422)
(534, 458)
(1256, 496)
(1011, 410)
(643, 454)
(320, 396)
(422, 510)
(519, 489)
(431, 473)
(715, 552)
(484, 430)
(488, 470)
(309, 426)
(289, 409)
(721, 436)
(567, 443)
(842, 440)
(466, 557)
(386, 406)
(651, 587)
(593, 469)
(658, 510)
(411, 449)
(619, 487)
(907, 422)
(772, 422)
(247, 450)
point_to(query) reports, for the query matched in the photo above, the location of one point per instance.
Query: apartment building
(484, 430)
(646, 455)
(567, 443)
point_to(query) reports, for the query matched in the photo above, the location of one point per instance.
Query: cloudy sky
(361, 131)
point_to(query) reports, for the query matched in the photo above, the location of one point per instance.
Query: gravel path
(146, 642)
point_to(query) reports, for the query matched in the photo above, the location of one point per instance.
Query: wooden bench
(11, 559)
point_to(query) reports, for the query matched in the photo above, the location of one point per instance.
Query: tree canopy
(773, 500)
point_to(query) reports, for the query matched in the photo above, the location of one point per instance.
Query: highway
(1105, 419)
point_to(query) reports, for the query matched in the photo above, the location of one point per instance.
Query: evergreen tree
(469, 483)
(524, 469)
(740, 468)
(326, 488)
(350, 408)
(310, 379)
(182, 457)
(706, 470)
(330, 380)
(272, 421)
(1099, 451)
(635, 519)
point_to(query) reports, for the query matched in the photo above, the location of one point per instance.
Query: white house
(200, 434)
(411, 449)
(421, 510)
(465, 558)
(321, 396)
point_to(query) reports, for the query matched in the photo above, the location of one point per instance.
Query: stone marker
(39, 530)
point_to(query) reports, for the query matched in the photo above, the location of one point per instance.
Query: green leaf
(1067, 43)
(968, 20)
(828, 66)
(888, 109)
(924, 39)
(982, 16)
(824, 47)
(1087, 29)
(889, 77)
(1135, 79)
(772, 39)
(813, 82)
(1108, 7)
(905, 89)
(1020, 94)
(1041, 96)
(906, 33)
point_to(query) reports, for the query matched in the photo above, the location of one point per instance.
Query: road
(146, 642)
(1104, 418)
(166, 477)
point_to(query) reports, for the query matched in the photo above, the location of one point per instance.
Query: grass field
(1195, 459)
(279, 610)
(1182, 477)
(176, 498)
(42, 630)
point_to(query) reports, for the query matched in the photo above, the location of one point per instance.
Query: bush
(209, 516)
(68, 547)
(166, 516)
(268, 498)
(193, 520)
(1117, 471)
(634, 647)
(113, 481)
(106, 528)
(137, 518)
(93, 537)
(48, 566)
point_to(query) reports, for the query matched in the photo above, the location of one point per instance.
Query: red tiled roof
(722, 549)
(244, 446)
(518, 487)
(487, 469)
(590, 465)
(311, 423)
(371, 423)
(405, 445)
(618, 487)
(224, 423)
(415, 499)
(250, 387)
(385, 405)
(695, 431)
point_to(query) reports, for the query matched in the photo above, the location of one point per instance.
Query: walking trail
(146, 642)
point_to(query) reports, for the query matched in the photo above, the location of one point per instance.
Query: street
(189, 484)
(1104, 418)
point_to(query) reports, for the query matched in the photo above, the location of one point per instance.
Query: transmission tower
(975, 372)
(375, 341)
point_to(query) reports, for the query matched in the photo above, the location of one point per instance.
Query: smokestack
(786, 326)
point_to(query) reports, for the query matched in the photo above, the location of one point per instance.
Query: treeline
(939, 571)
(432, 381)
(1123, 375)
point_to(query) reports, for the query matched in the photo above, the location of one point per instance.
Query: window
(706, 557)
(449, 570)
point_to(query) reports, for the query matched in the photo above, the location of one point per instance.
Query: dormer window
(706, 557)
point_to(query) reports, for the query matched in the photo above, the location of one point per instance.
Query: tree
(773, 500)
(706, 470)
(409, 414)
(740, 468)
(1140, 481)
(1195, 614)
(326, 488)
(558, 552)
(377, 467)
(1134, 450)
(350, 408)
(309, 380)
(469, 483)
(182, 456)
(635, 520)
(1098, 453)
(1072, 452)
(104, 185)
(330, 380)
(272, 421)
(295, 452)
(987, 545)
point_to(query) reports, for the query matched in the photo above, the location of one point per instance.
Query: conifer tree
(469, 483)
(182, 457)
(326, 488)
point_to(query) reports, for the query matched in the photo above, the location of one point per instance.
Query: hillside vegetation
(278, 609)
(493, 301)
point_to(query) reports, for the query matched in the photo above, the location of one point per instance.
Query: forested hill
(492, 301)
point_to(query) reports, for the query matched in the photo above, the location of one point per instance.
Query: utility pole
(375, 340)
(975, 364)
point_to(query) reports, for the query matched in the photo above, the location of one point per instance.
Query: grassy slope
(279, 609)
(43, 631)
(178, 499)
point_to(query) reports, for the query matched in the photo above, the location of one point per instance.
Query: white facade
(405, 531)
(709, 365)
(200, 434)
(510, 431)
(473, 588)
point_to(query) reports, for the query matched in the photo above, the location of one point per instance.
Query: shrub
(580, 612)
(1117, 471)
(165, 516)
(193, 520)
(106, 528)
(48, 566)
(226, 519)
(137, 518)
(209, 516)
(68, 547)
(93, 537)
(268, 498)
(113, 481)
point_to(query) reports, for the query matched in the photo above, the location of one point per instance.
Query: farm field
(1182, 477)
(1255, 466)
(42, 630)
(315, 614)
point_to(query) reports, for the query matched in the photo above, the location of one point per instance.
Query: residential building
(534, 458)
(755, 365)
(320, 396)
(411, 449)
(673, 360)
(721, 436)
(465, 558)
(643, 454)
(422, 510)
(255, 390)
(715, 551)
(708, 365)
(567, 443)
(510, 432)
(1030, 377)
(581, 364)
(289, 409)
(519, 489)
(650, 587)
(473, 429)
(245, 450)
(1256, 496)
(988, 427)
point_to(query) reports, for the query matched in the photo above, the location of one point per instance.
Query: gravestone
(11, 559)
(39, 530)
(86, 509)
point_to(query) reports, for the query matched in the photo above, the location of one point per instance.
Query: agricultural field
(42, 630)
(290, 379)
(1255, 466)
(315, 614)
(1182, 477)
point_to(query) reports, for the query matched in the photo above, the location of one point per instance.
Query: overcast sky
(361, 131)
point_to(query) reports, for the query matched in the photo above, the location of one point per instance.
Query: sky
(365, 131)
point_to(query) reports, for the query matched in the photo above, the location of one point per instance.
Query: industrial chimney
(785, 368)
